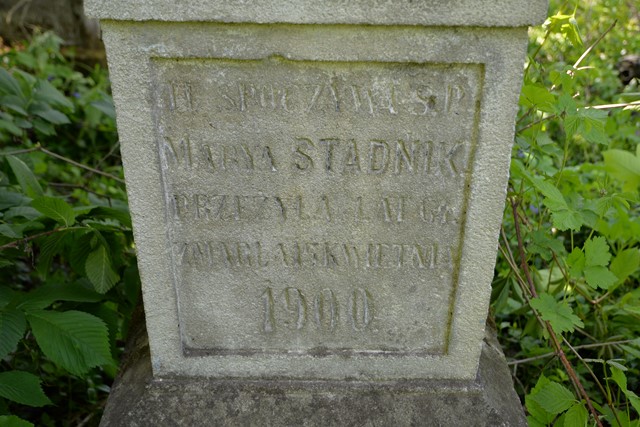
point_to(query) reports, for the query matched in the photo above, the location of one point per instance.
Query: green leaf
(49, 114)
(51, 246)
(625, 263)
(12, 328)
(10, 127)
(8, 83)
(576, 262)
(9, 231)
(554, 398)
(599, 277)
(564, 216)
(624, 166)
(13, 421)
(22, 387)
(74, 340)
(105, 106)
(10, 198)
(46, 295)
(618, 376)
(560, 315)
(45, 91)
(15, 104)
(539, 416)
(120, 215)
(538, 96)
(543, 244)
(56, 209)
(25, 177)
(22, 211)
(596, 252)
(576, 416)
(99, 271)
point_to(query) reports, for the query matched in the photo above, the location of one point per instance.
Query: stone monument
(316, 188)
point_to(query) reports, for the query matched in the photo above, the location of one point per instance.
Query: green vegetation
(566, 297)
(566, 294)
(68, 280)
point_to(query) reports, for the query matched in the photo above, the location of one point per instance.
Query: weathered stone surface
(317, 202)
(316, 207)
(139, 400)
(490, 13)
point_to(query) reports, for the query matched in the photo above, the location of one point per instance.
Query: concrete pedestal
(139, 400)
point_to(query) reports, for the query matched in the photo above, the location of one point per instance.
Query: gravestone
(316, 189)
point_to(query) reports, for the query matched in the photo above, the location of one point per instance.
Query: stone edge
(137, 398)
(483, 13)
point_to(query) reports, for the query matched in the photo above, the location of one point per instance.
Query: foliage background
(565, 295)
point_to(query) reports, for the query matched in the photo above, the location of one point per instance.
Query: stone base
(139, 400)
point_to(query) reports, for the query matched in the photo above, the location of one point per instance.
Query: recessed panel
(315, 207)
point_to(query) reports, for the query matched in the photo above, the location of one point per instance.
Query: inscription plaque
(315, 208)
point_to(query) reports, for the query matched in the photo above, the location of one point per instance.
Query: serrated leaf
(634, 400)
(539, 416)
(122, 216)
(564, 216)
(599, 277)
(25, 177)
(537, 96)
(576, 416)
(542, 244)
(576, 263)
(13, 421)
(554, 398)
(596, 252)
(567, 219)
(618, 376)
(99, 271)
(12, 328)
(560, 315)
(50, 247)
(625, 264)
(22, 387)
(56, 209)
(74, 340)
(46, 295)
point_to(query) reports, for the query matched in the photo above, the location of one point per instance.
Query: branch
(590, 48)
(39, 147)
(25, 240)
(552, 335)
(80, 165)
(578, 347)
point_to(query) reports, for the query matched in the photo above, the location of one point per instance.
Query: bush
(68, 279)
(566, 294)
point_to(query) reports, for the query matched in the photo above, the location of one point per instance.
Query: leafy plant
(68, 280)
(566, 287)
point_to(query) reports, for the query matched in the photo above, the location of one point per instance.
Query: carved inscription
(331, 155)
(208, 255)
(294, 309)
(382, 208)
(299, 193)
